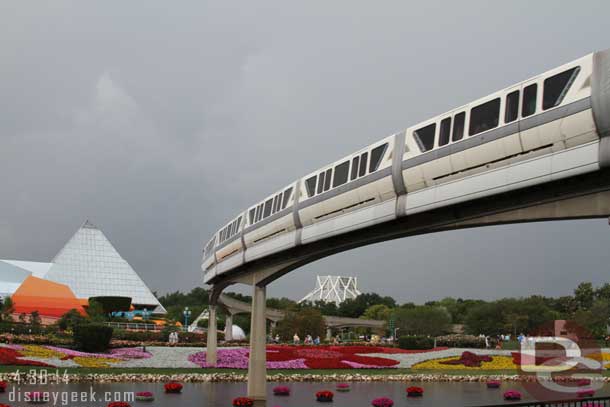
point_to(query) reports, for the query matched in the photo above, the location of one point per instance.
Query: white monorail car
(549, 127)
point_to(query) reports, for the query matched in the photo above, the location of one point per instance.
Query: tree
(355, 307)
(7, 309)
(485, 319)
(70, 319)
(584, 295)
(305, 322)
(379, 312)
(35, 319)
(95, 311)
(423, 320)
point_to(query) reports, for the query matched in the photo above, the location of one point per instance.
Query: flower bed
(172, 387)
(243, 402)
(304, 357)
(493, 384)
(325, 396)
(468, 363)
(382, 402)
(585, 393)
(343, 387)
(281, 391)
(512, 395)
(145, 396)
(3, 386)
(415, 391)
(119, 404)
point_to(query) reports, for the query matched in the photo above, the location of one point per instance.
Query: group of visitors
(173, 338)
(309, 340)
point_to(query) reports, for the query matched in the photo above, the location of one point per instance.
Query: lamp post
(187, 314)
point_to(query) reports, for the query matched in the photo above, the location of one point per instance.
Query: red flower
(325, 396)
(119, 404)
(3, 386)
(281, 391)
(415, 391)
(172, 387)
(243, 402)
(10, 356)
(331, 357)
(469, 359)
(4, 405)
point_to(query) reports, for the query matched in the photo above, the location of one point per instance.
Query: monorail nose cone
(600, 103)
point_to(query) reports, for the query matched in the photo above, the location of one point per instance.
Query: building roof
(47, 297)
(92, 267)
(36, 268)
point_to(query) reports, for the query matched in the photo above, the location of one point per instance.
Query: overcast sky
(159, 121)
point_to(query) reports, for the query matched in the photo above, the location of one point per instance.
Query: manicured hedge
(92, 337)
(112, 303)
(415, 342)
(462, 341)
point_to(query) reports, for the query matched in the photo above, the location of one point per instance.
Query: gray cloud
(161, 123)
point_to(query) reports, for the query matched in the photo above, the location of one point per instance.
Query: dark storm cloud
(160, 123)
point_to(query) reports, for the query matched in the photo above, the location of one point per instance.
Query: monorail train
(552, 126)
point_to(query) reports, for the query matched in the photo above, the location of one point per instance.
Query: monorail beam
(257, 369)
(211, 355)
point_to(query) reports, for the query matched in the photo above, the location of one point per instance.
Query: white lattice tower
(333, 289)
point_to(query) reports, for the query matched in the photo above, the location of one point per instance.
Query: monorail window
(287, 194)
(310, 185)
(445, 130)
(276, 203)
(329, 174)
(355, 162)
(556, 87)
(425, 137)
(251, 215)
(484, 117)
(529, 100)
(458, 126)
(267, 210)
(320, 182)
(363, 159)
(512, 107)
(341, 174)
(376, 155)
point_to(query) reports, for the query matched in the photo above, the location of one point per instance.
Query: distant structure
(333, 289)
(87, 266)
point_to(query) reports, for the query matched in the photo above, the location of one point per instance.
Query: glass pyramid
(91, 267)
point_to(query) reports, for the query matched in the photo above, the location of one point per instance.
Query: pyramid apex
(88, 225)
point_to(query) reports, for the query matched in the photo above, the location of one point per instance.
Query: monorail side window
(529, 100)
(363, 160)
(484, 117)
(251, 215)
(287, 194)
(341, 173)
(425, 137)
(512, 107)
(556, 87)
(320, 182)
(376, 155)
(355, 163)
(276, 203)
(329, 174)
(259, 212)
(267, 210)
(445, 130)
(458, 126)
(310, 185)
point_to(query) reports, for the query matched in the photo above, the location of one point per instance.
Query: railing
(134, 326)
(580, 402)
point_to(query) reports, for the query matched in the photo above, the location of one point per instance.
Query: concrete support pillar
(329, 334)
(257, 369)
(229, 327)
(211, 355)
(273, 325)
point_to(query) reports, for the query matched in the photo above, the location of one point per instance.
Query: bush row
(415, 342)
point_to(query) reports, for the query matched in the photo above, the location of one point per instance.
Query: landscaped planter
(243, 402)
(325, 396)
(119, 404)
(585, 393)
(382, 402)
(281, 391)
(493, 384)
(172, 387)
(343, 387)
(3, 386)
(415, 391)
(145, 396)
(512, 395)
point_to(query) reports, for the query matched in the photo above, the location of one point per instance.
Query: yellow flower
(40, 352)
(95, 362)
(497, 363)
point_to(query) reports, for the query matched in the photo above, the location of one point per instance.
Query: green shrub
(112, 304)
(92, 337)
(415, 342)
